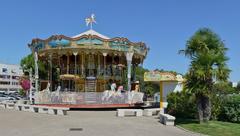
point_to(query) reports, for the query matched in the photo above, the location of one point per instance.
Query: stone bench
(50, 110)
(18, 107)
(24, 107)
(22, 102)
(152, 111)
(136, 112)
(36, 108)
(8, 105)
(57, 110)
(40, 109)
(3, 105)
(167, 119)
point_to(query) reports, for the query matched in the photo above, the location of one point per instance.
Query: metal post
(36, 70)
(129, 56)
(67, 64)
(8, 90)
(31, 81)
(104, 55)
(50, 61)
(83, 65)
(75, 55)
(99, 67)
(75, 70)
(161, 94)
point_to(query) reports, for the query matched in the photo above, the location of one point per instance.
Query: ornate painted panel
(89, 41)
(38, 46)
(117, 45)
(56, 43)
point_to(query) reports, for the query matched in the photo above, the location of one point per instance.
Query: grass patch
(212, 128)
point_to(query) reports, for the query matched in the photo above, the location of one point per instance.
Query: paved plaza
(82, 123)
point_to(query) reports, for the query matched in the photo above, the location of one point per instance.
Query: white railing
(106, 97)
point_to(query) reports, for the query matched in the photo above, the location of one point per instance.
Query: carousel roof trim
(91, 32)
(81, 41)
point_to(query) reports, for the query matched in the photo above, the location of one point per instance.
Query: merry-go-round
(88, 70)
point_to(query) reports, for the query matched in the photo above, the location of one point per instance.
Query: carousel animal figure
(47, 89)
(119, 96)
(109, 93)
(45, 94)
(55, 96)
(135, 96)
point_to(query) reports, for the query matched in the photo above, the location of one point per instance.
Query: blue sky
(164, 25)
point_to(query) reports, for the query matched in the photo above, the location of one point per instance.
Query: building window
(4, 83)
(4, 70)
(4, 76)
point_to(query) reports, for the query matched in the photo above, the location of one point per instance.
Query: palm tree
(207, 53)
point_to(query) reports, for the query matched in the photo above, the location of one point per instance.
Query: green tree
(148, 87)
(223, 88)
(207, 53)
(28, 62)
(238, 87)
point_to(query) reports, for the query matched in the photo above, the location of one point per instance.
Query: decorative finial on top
(90, 20)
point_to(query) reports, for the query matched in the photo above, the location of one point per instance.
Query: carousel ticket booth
(168, 82)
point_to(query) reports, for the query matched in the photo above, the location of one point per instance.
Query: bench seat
(137, 112)
(57, 110)
(167, 119)
(152, 111)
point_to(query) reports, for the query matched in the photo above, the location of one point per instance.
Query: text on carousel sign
(159, 76)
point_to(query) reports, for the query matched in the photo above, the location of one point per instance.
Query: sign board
(159, 76)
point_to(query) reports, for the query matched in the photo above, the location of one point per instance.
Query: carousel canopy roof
(91, 32)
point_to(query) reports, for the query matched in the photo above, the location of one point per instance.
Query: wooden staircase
(90, 85)
(90, 89)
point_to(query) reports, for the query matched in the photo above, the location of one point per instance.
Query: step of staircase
(90, 85)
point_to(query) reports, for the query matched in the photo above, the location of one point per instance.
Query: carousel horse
(43, 96)
(118, 96)
(55, 96)
(109, 93)
(57, 92)
(47, 89)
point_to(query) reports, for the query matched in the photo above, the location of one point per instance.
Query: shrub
(181, 105)
(231, 109)
(217, 101)
(22, 92)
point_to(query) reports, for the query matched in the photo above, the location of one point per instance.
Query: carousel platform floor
(94, 106)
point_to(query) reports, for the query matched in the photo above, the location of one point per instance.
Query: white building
(234, 84)
(9, 77)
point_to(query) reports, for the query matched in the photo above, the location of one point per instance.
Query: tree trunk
(204, 108)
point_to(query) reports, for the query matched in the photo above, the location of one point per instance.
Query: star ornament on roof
(90, 20)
